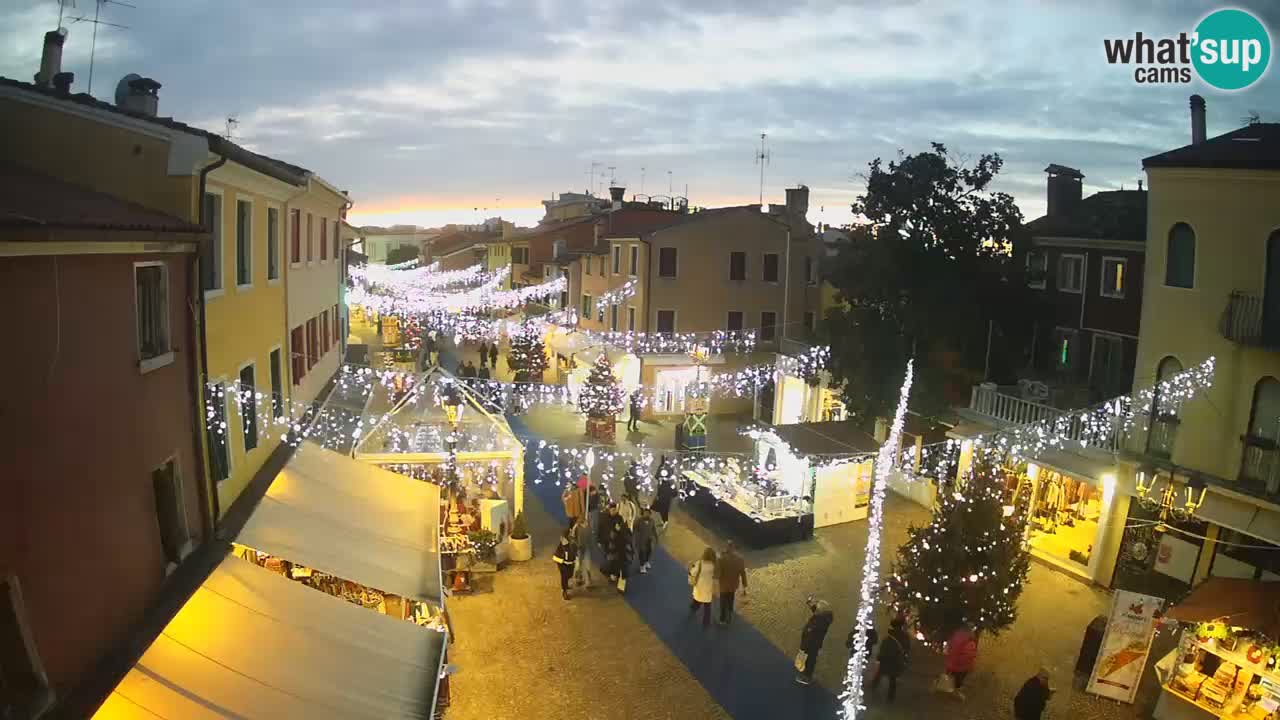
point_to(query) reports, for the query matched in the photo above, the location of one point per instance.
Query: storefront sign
(1123, 655)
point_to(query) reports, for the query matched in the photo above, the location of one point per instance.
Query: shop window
(1180, 260)
(1158, 563)
(211, 251)
(24, 688)
(667, 262)
(737, 266)
(1065, 516)
(216, 431)
(1258, 466)
(1113, 277)
(769, 270)
(277, 389)
(1071, 273)
(735, 321)
(166, 485)
(768, 325)
(666, 321)
(635, 259)
(1037, 269)
(248, 394)
(151, 284)
(273, 244)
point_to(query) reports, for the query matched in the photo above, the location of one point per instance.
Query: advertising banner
(1125, 645)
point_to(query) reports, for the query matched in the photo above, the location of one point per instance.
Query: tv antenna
(642, 180)
(591, 177)
(96, 20)
(1253, 118)
(762, 159)
(669, 190)
(232, 122)
(612, 179)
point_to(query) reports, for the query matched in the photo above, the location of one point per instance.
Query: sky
(456, 110)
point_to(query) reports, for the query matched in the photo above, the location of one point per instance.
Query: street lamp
(1165, 502)
(454, 407)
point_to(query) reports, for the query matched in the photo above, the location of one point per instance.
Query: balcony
(1164, 428)
(1244, 322)
(988, 400)
(1260, 465)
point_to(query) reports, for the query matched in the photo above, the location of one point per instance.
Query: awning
(353, 520)
(253, 644)
(1251, 604)
(1075, 464)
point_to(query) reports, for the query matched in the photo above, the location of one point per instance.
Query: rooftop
(1252, 147)
(826, 438)
(1108, 215)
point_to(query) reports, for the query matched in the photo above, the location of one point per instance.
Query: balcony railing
(1244, 321)
(1260, 466)
(988, 400)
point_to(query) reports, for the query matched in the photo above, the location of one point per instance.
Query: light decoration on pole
(616, 295)
(851, 697)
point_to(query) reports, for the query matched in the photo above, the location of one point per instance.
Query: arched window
(1264, 422)
(1164, 404)
(1180, 262)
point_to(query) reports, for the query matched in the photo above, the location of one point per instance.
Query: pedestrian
(811, 637)
(628, 510)
(582, 539)
(960, 656)
(593, 507)
(895, 651)
(702, 581)
(732, 572)
(462, 369)
(631, 482)
(493, 356)
(469, 370)
(484, 373)
(666, 492)
(564, 557)
(633, 423)
(645, 535)
(572, 500)
(872, 639)
(484, 353)
(1030, 701)
(621, 551)
(605, 529)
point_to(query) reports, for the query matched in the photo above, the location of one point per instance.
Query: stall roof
(1252, 604)
(253, 644)
(354, 520)
(826, 438)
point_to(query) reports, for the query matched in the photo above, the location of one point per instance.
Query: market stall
(751, 509)
(830, 462)
(1225, 665)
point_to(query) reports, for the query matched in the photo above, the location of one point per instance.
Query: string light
(616, 295)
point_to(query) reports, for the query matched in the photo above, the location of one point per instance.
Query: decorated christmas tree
(528, 356)
(601, 396)
(968, 564)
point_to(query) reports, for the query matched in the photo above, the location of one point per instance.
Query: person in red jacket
(961, 655)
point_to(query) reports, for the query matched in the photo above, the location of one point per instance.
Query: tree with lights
(601, 398)
(528, 356)
(968, 564)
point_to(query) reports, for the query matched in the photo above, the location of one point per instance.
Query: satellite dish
(122, 87)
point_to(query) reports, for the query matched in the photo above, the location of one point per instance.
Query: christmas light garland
(616, 295)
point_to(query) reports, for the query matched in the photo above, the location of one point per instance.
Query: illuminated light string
(616, 295)
(852, 697)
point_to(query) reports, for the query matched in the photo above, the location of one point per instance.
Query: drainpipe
(786, 288)
(203, 375)
(195, 303)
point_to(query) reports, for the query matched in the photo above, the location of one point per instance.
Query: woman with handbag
(894, 653)
(958, 661)
(702, 581)
(811, 637)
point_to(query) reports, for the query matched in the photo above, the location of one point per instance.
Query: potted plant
(521, 545)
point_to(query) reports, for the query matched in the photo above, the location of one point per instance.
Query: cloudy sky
(436, 111)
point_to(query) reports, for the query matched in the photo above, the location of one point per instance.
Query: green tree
(968, 564)
(601, 395)
(929, 263)
(402, 254)
(528, 356)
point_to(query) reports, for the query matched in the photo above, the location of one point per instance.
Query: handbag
(873, 669)
(802, 658)
(695, 571)
(945, 684)
(622, 585)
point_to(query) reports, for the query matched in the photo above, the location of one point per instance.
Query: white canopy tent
(353, 520)
(253, 644)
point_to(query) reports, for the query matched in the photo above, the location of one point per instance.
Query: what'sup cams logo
(1230, 49)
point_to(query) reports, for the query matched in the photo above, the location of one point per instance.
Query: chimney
(142, 97)
(1065, 189)
(798, 201)
(62, 82)
(1197, 119)
(51, 58)
(615, 194)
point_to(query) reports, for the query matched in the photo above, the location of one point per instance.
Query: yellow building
(1212, 288)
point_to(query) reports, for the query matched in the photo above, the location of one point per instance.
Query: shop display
(1065, 516)
(751, 506)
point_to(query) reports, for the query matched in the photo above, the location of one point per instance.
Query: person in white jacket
(702, 580)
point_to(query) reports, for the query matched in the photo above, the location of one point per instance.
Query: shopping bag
(945, 684)
(873, 669)
(802, 657)
(622, 585)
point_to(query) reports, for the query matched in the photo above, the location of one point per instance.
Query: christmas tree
(601, 396)
(528, 356)
(968, 564)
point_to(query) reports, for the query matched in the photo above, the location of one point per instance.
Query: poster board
(1122, 658)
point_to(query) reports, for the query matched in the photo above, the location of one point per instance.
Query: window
(810, 322)
(519, 256)
(635, 259)
(313, 343)
(1107, 373)
(295, 236)
(666, 321)
(324, 239)
(1071, 273)
(768, 325)
(613, 318)
(211, 252)
(244, 243)
(809, 277)
(151, 302)
(326, 338)
(248, 392)
(310, 254)
(1037, 269)
(586, 307)
(737, 266)
(617, 259)
(1113, 278)
(297, 354)
(769, 273)
(1066, 347)
(337, 326)
(600, 314)
(166, 487)
(219, 452)
(277, 389)
(631, 318)
(23, 684)
(667, 262)
(586, 266)
(335, 241)
(1180, 264)
(273, 244)
(735, 321)
(1260, 464)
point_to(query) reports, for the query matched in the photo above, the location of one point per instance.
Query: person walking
(732, 572)
(484, 353)
(484, 373)
(960, 656)
(631, 482)
(1031, 700)
(895, 651)
(571, 498)
(604, 528)
(633, 422)
(621, 552)
(811, 638)
(582, 540)
(493, 356)
(702, 581)
(469, 370)
(564, 557)
(665, 493)
(645, 535)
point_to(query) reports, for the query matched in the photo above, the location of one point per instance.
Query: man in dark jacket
(731, 572)
(1029, 703)
(633, 422)
(666, 491)
(811, 637)
(564, 557)
(631, 483)
(894, 652)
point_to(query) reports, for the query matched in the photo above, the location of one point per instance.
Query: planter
(521, 549)
(602, 428)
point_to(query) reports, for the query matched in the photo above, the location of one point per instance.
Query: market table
(757, 528)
